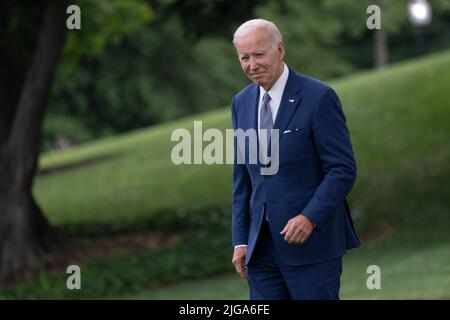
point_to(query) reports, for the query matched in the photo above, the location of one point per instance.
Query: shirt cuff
(240, 245)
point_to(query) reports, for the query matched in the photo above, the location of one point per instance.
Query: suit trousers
(271, 279)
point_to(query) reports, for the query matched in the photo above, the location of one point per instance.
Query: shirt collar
(276, 92)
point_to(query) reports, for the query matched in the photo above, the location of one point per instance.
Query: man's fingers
(286, 227)
(287, 235)
(304, 236)
(287, 230)
(291, 232)
(238, 261)
(295, 232)
(240, 268)
(243, 272)
(239, 265)
(301, 238)
(296, 235)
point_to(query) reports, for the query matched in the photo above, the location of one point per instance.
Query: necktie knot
(266, 98)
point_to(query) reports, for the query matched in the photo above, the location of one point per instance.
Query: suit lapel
(254, 103)
(289, 102)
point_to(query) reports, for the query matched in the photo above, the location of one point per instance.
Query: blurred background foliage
(137, 64)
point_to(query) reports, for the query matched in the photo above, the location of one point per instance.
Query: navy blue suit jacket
(316, 172)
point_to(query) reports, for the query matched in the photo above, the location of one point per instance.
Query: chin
(259, 82)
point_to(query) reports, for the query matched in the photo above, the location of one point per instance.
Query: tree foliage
(133, 65)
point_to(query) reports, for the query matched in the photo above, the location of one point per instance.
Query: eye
(260, 55)
(244, 59)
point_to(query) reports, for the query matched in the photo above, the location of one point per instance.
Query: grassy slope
(405, 274)
(399, 120)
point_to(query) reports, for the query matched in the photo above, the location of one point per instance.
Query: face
(260, 60)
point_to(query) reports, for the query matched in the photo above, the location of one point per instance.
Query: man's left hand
(297, 230)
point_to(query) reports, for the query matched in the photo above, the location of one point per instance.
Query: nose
(253, 64)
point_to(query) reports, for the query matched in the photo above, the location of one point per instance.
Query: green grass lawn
(411, 274)
(399, 119)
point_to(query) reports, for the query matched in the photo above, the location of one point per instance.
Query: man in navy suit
(289, 229)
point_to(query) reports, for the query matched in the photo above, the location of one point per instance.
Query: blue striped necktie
(265, 122)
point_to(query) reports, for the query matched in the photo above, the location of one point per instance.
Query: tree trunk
(381, 49)
(380, 41)
(25, 234)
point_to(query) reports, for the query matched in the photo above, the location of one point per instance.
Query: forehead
(253, 41)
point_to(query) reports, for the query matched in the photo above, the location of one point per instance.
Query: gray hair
(250, 25)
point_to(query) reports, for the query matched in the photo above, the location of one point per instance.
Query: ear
(281, 50)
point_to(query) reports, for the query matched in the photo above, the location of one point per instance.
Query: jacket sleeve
(242, 189)
(332, 141)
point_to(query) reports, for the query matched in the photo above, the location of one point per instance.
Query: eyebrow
(257, 52)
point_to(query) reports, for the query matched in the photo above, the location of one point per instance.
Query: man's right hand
(239, 261)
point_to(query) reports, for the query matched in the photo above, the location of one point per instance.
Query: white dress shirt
(275, 93)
